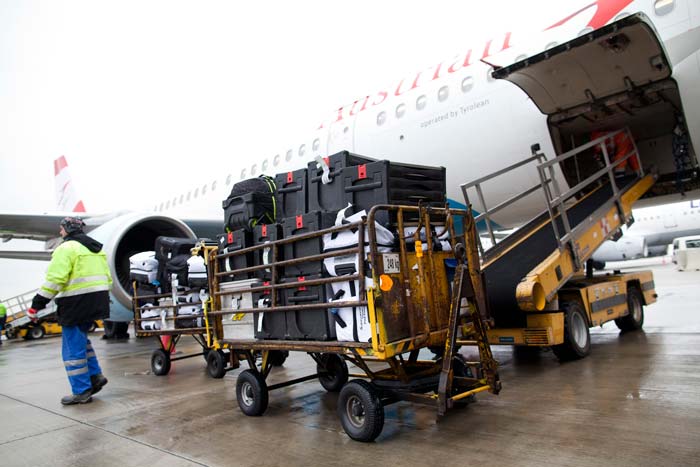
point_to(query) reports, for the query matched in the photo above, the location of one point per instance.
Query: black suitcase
(167, 248)
(262, 234)
(230, 242)
(274, 323)
(249, 203)
(299, 225)
(177, 265)
(316, 325)
(330, 196)
(291, 193)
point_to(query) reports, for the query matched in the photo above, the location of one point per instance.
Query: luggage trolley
(158, 315)
(417, 298)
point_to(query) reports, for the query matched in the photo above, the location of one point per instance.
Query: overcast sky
(141, 96)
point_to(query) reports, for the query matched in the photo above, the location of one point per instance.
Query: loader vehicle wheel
(361, 411)
(252, 393)
(160, 362)
(36, 332)
(216, 363)
(277, 357)
(335, 372)
(10, 332)
(635, 306)
(577, 339)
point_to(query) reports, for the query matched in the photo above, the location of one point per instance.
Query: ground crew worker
(3, 317)
(617, 148)
(78, 277)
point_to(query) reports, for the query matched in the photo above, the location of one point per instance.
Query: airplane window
(174, 201)
(167, 205)
(189, 195)
(182, 198)
(421, 102)
(253, 169)
(161, 207)
(302, 150)
(289, 155)
(242, 174)
(228, 179)
(400, 110)
(276, 160)
(316, 144)
(443, 93)
(381, 118)
(664, 7)
(196, 192)
(265, 164)
(213, 185)
(204, 189)
(584, 31)
(467, 84)
(346, 129)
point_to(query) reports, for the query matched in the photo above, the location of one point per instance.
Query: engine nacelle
(627, 247)
(125, 236)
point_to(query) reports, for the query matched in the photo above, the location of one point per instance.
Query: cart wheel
(205, 354)
(216, 363)
(251, 392)
(360, 410)
(277, 357)
(635, 318)
(160, 362)
(335, 372)
(577, 339)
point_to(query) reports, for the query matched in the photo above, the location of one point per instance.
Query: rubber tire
(360, 410)
(36, 332)
(160, 362)
(337, 370)
(216, 364)
(574, 316)
(10, 333)
(251, 393)
(630, 322)
(277, 357)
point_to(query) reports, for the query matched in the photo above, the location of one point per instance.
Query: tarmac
(635, 401)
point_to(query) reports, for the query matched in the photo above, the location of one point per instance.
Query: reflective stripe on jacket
(75, 270)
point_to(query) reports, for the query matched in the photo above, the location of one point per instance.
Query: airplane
(653, 230)
(609, 64)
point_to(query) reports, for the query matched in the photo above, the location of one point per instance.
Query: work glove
(32, 315)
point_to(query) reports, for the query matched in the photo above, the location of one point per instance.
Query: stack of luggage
(170, 268)
(331, 191)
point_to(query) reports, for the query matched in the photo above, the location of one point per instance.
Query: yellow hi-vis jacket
(75, 270)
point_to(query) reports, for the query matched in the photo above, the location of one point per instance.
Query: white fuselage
(454, 114)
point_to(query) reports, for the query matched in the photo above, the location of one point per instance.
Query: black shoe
(98, 382)
(83, 398)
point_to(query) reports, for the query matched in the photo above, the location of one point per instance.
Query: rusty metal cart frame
(419, 302)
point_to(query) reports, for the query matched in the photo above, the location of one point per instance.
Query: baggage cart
(414, 298)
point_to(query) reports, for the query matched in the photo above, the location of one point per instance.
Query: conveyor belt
(515, 256)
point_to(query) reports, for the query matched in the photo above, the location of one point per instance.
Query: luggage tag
(322, 163)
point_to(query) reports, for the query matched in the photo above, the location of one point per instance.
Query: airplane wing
(37, 226)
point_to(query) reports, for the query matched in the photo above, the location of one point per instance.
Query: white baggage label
(392, 264)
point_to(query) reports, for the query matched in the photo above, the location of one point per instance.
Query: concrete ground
(635, 401)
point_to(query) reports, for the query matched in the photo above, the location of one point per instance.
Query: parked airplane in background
(653, 230)
(602, 67)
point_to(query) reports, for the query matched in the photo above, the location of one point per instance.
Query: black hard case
(291, 193)
(274, 324)
(167, 248)
(307, 324)
(299, 225)
(234, 241)
(331, 196)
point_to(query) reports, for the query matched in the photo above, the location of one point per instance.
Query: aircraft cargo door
(602, 63)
